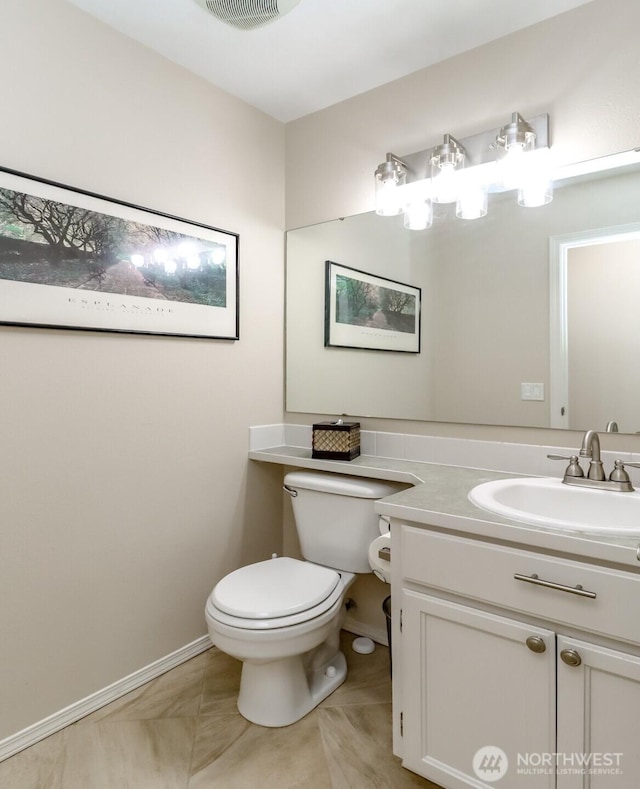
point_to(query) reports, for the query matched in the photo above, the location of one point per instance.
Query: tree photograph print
(363, 310)
(51, 246)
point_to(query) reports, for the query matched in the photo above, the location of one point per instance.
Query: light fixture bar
(480, 149)
(512, 157)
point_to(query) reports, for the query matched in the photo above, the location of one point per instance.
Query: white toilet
(282, 617)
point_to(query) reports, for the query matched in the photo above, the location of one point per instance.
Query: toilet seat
(273, 594)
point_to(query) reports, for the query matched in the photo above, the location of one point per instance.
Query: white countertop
(439, 497)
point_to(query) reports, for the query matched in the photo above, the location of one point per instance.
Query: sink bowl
(550, 503)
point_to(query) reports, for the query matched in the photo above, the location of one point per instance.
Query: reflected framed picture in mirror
(370, 312)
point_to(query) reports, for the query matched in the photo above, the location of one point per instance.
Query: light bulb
(445, 185)
(447, 160)
(387, 197)
(390, 175)
(536, 182)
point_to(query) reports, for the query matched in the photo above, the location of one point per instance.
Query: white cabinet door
(470, 682)
(598, 717)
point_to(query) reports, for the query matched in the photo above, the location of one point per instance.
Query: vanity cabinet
(510, 659)
(598, 708)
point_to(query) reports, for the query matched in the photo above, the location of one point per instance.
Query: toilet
(282, 617)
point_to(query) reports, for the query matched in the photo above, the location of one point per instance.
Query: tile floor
(183, 731)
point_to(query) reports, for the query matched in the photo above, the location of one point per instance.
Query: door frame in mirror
(559, 247)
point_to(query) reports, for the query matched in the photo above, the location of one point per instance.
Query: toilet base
(281, 692)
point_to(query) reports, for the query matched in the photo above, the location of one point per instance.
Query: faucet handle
(619, 473)
(574, 469)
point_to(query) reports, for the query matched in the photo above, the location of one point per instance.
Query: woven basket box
(336, 440)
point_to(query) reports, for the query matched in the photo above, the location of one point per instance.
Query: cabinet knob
(570, 657)
(536, 644)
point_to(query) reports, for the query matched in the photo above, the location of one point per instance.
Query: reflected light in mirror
(473, 202)
(535, 181)
(418, 215)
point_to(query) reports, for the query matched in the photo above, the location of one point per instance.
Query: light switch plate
(532, 391)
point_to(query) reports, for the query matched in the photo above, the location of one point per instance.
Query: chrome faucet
(596, 478)
(591, 449)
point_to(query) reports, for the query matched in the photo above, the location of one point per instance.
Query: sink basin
(550, 503)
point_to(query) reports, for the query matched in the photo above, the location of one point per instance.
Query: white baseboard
(376, 634)
(38, 731)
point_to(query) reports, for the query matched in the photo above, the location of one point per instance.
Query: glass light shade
(446, 162)
(536, 184)
(388, 199)
(472, 202)
(418, 215)
(514, 141)
(513, 166)
(444, 182)
(520, 143)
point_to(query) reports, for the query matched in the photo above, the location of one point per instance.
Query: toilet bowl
(282, 617)
(291, 653)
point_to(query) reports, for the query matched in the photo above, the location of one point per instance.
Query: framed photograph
(73, 259)
(366, 311)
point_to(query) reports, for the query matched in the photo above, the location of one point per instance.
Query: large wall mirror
(529, 317)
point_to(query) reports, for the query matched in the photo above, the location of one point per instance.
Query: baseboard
(363, 629)
(38, 731)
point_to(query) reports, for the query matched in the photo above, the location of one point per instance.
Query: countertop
(439, 497)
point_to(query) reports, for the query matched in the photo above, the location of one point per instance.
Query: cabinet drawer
(487, 573)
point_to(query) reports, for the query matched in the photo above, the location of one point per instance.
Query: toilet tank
(335, 516)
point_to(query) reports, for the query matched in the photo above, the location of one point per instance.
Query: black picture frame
(370, 312)
(74, 259)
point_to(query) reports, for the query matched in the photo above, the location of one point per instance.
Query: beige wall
(125, 490)
(124, 479)
(579, 67)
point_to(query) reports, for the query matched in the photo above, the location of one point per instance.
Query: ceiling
(323, 51)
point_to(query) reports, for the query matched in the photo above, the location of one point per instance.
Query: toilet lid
(275, 588)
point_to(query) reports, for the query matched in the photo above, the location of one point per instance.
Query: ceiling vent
(247, 14)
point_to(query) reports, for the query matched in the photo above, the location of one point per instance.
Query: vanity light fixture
(390, 175)
(516, 138)
(532, 178)
(447, 160)
(464, 172)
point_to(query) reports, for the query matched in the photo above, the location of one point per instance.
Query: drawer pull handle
(571, 657)
(536, 644)
(533, 579)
